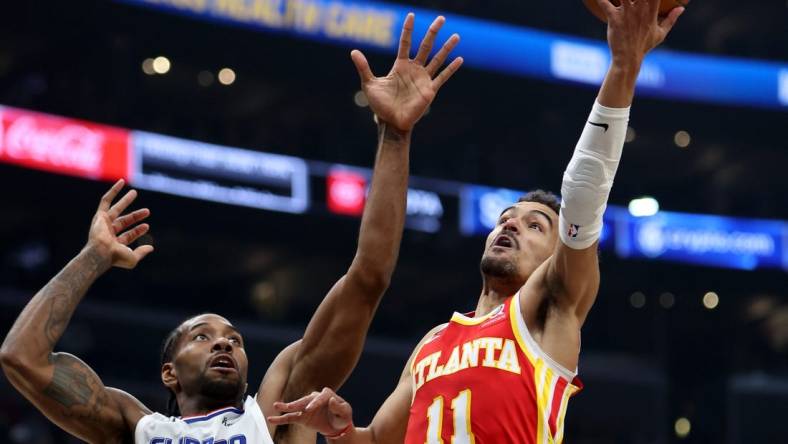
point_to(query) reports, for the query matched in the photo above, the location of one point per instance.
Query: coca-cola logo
(67, 145)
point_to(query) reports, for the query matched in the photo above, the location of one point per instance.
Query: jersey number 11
(461, 406)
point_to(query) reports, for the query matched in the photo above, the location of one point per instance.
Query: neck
(198, 405)
(494, 293)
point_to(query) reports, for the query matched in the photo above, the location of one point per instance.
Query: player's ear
(169, 376)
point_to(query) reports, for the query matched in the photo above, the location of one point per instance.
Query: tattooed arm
(60, 385)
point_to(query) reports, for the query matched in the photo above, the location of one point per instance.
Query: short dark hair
(543, 197)
(167, 353)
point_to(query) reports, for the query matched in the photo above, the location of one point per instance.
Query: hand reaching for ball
(635, 27)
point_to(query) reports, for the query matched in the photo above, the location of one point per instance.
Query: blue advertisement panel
(480, 207)
(219, 173)
(701, 239)
(500, 47)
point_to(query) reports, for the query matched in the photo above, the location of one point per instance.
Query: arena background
(682, 346)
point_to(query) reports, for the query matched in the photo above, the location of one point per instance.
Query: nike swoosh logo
(604, 126)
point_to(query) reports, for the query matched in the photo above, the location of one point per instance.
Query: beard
(498, 267)
(223, 389)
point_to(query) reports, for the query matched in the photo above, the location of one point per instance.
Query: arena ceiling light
(147, 67)
(226, 76)
(643, 207)
(682, 139)
(161, 65)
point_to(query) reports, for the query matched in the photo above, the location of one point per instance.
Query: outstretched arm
(60, 385)
(335, 336)
(572, 275)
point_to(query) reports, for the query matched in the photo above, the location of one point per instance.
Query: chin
(499, 267)
(222, 388)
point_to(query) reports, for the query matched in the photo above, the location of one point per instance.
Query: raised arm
(572, 274)
(335, 336)
(60, 385)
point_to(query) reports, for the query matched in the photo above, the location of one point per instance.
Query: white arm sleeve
(589, 176)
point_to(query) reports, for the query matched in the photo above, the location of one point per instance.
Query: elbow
(12, 358)
(375, 283)
(372, 282)
(9, 360)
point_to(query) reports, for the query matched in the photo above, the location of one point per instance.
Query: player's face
(211, 361)
(523, 239)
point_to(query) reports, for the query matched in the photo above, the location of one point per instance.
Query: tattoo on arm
(76, 387)
(59, 312)
(65, 291)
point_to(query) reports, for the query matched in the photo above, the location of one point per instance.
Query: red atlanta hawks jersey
(486, 381)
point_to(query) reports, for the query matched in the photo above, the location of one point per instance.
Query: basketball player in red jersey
(204, 364)
(505, 373)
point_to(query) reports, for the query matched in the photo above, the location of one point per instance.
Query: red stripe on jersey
(558, 396)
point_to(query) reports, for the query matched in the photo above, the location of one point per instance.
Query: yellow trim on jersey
(513, 314)
(545, 401)
(465, 320)
(559, 422)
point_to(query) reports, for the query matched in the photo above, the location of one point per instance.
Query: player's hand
(111, 231)
(635, 28)
(401, 97)
(325, 412)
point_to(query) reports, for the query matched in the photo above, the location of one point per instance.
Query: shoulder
(430, 334)
(130, 408)
(435, 330)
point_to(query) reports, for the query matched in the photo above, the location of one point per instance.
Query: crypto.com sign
(65, 146)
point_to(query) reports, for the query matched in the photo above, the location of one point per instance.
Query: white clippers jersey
(225, 426)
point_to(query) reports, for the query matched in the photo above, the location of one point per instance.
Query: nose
(222, 344)
(510, 225)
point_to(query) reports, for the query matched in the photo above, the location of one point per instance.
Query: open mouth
(223, 363)
(504, 241)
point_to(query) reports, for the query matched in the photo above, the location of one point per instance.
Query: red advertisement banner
(60, 145)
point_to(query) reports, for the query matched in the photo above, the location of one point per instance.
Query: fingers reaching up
(405, 37)
(402, 96)
(112, 231)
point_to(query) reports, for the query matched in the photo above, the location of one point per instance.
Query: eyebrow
(543, 214)
(540, 212)
(201, 324)
(505, 210)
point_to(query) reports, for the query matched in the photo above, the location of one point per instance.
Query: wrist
(348, 430)
(626, 65)
(97, 256)
(387, 131)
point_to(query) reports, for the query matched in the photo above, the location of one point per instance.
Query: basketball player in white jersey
(204, 361)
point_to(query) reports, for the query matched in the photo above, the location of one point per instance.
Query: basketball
(664, 7)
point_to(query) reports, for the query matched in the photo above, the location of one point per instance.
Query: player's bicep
(70, 393)
(334, 338)
(572, 278)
